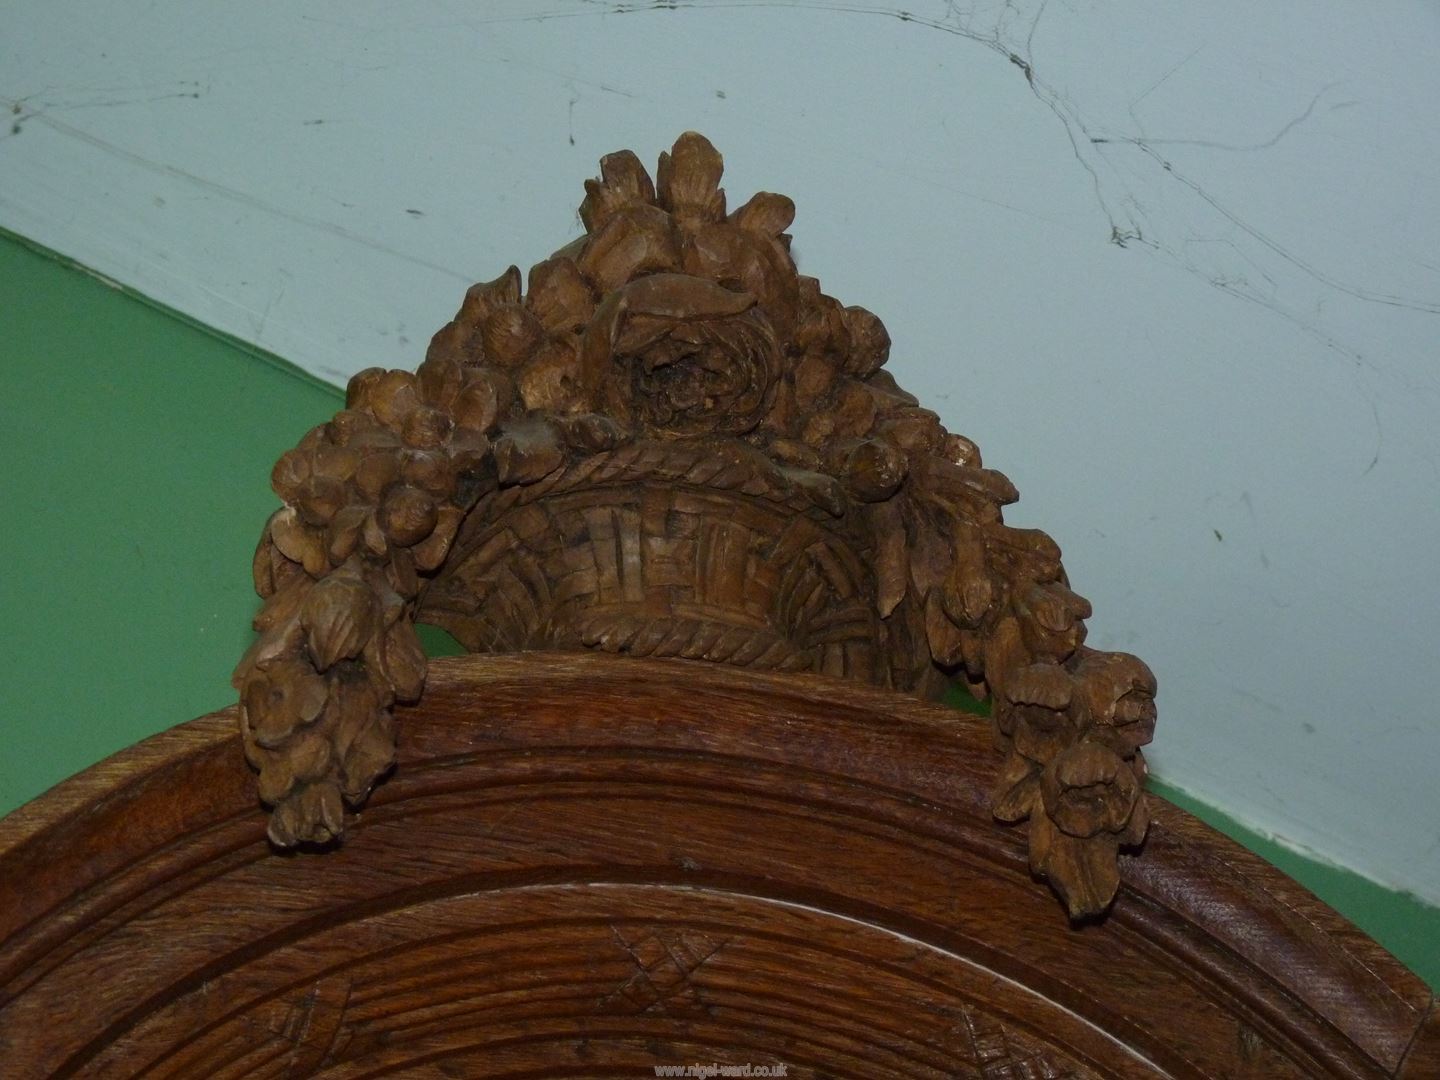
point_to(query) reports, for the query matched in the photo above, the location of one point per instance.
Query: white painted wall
(1182, 283)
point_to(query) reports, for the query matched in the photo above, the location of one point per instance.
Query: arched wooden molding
(671, 443)
(588, 865)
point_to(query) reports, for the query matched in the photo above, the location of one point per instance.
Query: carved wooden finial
(670, 443)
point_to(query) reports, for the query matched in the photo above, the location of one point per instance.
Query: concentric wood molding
(588, 865)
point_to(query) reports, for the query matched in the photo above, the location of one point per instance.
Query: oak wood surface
(587, 865)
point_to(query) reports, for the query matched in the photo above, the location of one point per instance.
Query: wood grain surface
(588, 865)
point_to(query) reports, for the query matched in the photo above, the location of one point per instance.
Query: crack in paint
(233, 194)
(1128, 221)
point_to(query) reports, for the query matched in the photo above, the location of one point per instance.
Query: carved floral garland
(672, 319)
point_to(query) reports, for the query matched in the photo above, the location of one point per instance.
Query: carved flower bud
(1117, 691)
(1089, 788)
(336, 462)
(559, 296)
(268, 568)
(550, 382)
(1051, 619)
(869, 342)
(1033, 543)
(282, 606)
(818, 428)
(289, 474)
(319, 499)
(278, 642)
(340, 615)
(362, 384)
(796, 453)
(1048, 686)
(281, 698)
(373, 537)
(1016, 789)
(399, 656)
(747, 263)
(472, 465)
(960, 450)
(635, 241)
(854, 410)
(407, 515)
(913, 430)
(814, 376)
(299, 542)
(439, 379)
(428, 470)
(872, 470)
(277, 779)
(942, 635)
(1039, 733)
(766, 213)
(401, 571)
(484, 297)
(969, 590)
(394, 398)
(888, 392)
(370, 753)
(478, 404)
(510, 335)
(343, 535)
(459, 339)
(431, 551)
(426, 428)
(590, 433)
(376, 472)
(623, 183)
(355, 697)
(309, 756)
(688, 179)
(321, 813)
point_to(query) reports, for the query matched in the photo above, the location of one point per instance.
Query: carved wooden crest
(665, 441)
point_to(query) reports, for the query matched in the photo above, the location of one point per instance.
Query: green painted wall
(136, 459)
(135, 480)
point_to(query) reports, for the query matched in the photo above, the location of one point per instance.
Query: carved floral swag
(673, 319)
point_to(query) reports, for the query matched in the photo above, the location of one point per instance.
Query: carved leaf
(637, 240)
(946, 644)
(400, 656)
(340, 615)
(623, 183)
(1017, 789)
(1085, 873)
(765, 213)
(281, 698)
(892, 556)
(559, 296)
(688, 181)
(510, 334)
(869, 343)
(299, 542)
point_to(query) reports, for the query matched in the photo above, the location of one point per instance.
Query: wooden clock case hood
(686, 800)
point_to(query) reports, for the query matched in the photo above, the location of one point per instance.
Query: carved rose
(682, 356)
(705, 377)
